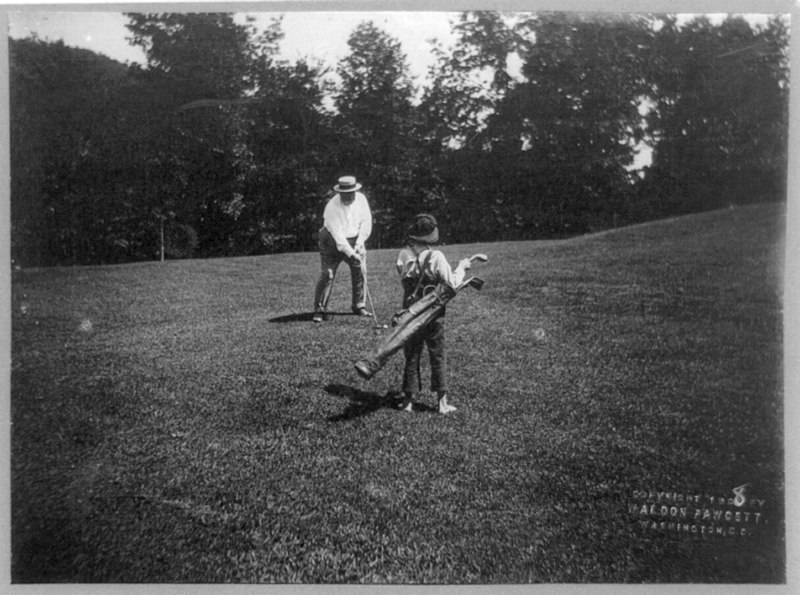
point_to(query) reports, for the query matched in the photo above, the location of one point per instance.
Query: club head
(474, 282)
(365, 369)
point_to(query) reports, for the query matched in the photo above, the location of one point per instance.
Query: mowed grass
(186, 422)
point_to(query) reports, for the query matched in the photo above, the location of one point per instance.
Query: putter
(368, 293)
(325, 314)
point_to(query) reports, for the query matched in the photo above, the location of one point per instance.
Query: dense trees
(205, 70)
(526, 128)
(374, 122)
(720, 117)
(69, 135)
(562, 135)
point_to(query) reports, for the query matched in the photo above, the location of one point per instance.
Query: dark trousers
(432, 337)
(330, 258)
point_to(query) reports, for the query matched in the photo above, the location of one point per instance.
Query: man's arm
(365, 222)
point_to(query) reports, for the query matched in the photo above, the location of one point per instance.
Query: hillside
(186, 422)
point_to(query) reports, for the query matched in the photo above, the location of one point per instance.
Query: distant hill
(38, 55)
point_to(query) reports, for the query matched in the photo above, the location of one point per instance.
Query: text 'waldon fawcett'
(736, 514)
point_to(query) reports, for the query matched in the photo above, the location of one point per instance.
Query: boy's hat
(424, 229)
(347, 184)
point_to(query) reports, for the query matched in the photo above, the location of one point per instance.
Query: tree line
(525, 128)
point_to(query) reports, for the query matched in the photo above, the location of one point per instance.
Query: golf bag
(407, 323)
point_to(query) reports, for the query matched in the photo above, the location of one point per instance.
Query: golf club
(368, 293)
(327, 298)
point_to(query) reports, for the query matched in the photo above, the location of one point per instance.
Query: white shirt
(348, 221)
(436, 267)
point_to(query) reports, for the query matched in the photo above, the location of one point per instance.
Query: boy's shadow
(363, 403)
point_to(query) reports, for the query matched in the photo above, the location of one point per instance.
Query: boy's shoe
(404, 403)
(317, 317)
(361, 312)
(444, 406)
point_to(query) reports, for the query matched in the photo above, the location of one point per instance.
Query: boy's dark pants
(432, 336)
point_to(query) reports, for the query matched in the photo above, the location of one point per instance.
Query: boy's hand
(465, 264)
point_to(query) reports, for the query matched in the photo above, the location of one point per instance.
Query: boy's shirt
(437, 269)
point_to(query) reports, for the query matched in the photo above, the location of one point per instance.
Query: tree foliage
(72, 197)
(526, 127)
(374, 124)
(720, 115)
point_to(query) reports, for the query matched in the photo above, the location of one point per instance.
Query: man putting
(347, 224)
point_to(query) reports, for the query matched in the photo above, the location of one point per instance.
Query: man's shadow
(307, 316)
(365, 403)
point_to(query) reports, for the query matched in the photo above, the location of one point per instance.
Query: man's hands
(360, 253)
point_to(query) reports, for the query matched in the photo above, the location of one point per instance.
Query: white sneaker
(445, 408)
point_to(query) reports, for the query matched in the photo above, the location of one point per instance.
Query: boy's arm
(444, 274)
(461, 269)
(404, 256)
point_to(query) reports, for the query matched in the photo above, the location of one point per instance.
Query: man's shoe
(361, 312)
(317, 317)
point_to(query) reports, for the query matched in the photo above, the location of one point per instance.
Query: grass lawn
(186, 422)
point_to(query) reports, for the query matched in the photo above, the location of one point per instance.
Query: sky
(320, 35)
(313, 34)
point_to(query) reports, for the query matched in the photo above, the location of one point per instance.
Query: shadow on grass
(364, 403)
(307, 316)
